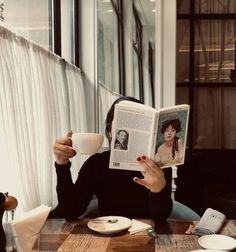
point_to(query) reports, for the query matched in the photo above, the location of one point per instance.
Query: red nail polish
(143, 158)
(138, 159)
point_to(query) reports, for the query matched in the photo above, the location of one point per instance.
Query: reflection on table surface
(59, 235)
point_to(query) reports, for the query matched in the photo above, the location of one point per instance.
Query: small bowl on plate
(206, 250)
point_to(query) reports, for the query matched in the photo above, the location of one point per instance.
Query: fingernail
(138, 159)
(143, 157)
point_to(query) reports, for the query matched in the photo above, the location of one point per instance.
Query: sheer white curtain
(41, 98)
(77, 110)
(106, 98)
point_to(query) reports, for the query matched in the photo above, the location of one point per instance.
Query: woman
(171, 151)
(119, 192)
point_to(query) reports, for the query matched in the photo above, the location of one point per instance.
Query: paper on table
(138, 226)
(27, 227)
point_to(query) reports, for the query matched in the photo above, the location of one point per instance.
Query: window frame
(138, 49)
(192, 84)
(56, 5)
(118, 9)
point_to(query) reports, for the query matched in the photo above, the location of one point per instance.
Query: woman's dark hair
(175, 123)
(110, 114)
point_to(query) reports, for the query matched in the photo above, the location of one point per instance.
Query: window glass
(144, 46)
(183, 6)
(182, 57)
(136, 76)
(182, 95)
(210, 131)
(107, 44)
(69, 26)
(212, 65)
(214, 50)
(215, 6)
(31, 19)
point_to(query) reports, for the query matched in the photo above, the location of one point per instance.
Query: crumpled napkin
(138, 226)
(26, 228)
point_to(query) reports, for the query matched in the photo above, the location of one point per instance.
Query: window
(126, 47)
(205, 72)
(109, 41)
(53, 24)
(143, 41)
(206, 69)
(31, 19)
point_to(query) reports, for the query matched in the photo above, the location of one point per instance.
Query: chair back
(183, 212)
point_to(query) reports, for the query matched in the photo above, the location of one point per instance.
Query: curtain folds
(41, 98)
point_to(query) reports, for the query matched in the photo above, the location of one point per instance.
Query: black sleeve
(73, 198)
(160, 204)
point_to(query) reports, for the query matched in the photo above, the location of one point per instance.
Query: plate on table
(206, 250)
(217, 241)
(109, 224)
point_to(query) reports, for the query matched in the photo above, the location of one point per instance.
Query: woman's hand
(153, 175)
(63, 150)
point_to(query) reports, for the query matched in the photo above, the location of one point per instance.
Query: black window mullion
(206, 84)
(205, 16)
(121, 49)
(138, 47)
(57, 26)
(118, 8)
(191, 76)
(151, 72)
(77, 32)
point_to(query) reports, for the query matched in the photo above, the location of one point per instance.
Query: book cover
(172, 127)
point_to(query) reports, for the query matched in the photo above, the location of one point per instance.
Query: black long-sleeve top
(116, 191)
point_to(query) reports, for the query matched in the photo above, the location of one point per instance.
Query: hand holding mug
(63, 150)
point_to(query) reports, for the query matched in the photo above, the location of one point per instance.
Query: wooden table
(58, 235)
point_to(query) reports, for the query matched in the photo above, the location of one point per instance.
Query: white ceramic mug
(87, 143)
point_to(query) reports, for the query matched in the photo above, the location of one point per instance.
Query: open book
(138, 130)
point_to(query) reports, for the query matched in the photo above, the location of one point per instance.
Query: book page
(132, 135)
(171, 135)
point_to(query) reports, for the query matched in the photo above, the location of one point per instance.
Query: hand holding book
(153, 175)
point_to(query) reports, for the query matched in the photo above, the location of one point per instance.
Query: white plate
(216, 241)
(102, 226)
(206, 250)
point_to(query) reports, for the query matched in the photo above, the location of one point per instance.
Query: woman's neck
(169, 143)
